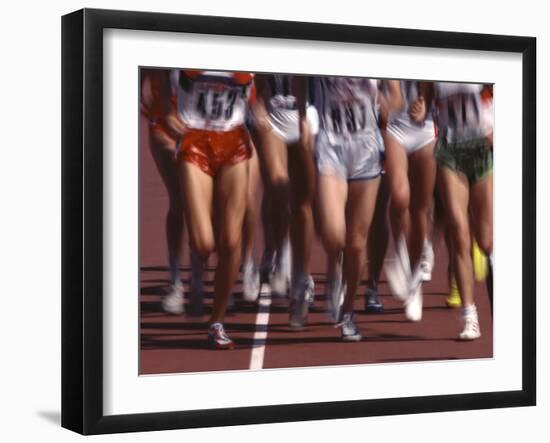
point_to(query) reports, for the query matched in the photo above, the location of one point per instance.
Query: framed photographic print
(269, 221)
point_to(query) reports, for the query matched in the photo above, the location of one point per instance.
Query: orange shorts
(212, 150)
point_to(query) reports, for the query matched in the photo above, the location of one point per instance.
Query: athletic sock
(470, 311)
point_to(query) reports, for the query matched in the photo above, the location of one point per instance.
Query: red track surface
(178, 343)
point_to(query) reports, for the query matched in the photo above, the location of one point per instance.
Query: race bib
(216, 105)
(347, 117)
(460, 112)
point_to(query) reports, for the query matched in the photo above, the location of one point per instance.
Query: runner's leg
(301, 169)
(197, 193)
(359, 212)
(272, 155)
(422, 171)
(482, 214)
(455, 194)
(163, 151)
(377, 243)
(331, 206)
(398, 181)
(231, 198)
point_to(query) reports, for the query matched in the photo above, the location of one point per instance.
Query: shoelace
(220, 331)
(347, 320)
(471, 323)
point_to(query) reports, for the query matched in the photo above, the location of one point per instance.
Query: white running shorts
(411, 135)
(285, 123)
(354, 158)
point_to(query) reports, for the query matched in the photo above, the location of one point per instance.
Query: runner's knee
(333, 242)
(278, 180)
(400, 197)
(229, 242)
(356, 245)
(203, 245)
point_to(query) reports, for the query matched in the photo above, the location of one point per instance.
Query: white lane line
(260, 334)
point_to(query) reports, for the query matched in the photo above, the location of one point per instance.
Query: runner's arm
(300, 86)
(418, 110)
(391, 101)
(259, 109)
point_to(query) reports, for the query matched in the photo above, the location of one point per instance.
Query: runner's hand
(174, 125)
(417, 110)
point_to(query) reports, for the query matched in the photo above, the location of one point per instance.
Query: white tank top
(212, 100)
(459, 111)
(346, 106)
(280, 100)
(278, 94)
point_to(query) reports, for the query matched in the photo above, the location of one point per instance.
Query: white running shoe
(471, 329)
(251, 282)
(413, 305)
(310, 291)
(334, 287)
(279, 279)
(334, 297)
(299, 303)
(403, 256)
(278, 283)
(348, 329)
(426, 270)
(173, 302)
(398, 272)
(427, 261)
(397, 280)
(286, 261)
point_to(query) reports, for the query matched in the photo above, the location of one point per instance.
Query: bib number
(215, 105)
(462, 111)
(348, 118)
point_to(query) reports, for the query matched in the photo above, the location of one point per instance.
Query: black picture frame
(82, 220)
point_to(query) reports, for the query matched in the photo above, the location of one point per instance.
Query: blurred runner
(251, 279)
(409, 140)
(289, 178)
(158, 106)
(464, 155)
(347, 153)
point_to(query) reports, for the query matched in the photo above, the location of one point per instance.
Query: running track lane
(177, 344)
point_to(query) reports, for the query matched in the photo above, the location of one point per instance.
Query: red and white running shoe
(218, 338)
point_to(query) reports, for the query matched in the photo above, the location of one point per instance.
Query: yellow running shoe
(453, 300)
(480, 263)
